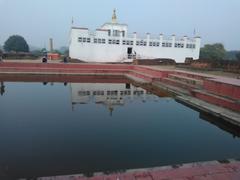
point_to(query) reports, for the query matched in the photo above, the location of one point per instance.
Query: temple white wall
(111, 43)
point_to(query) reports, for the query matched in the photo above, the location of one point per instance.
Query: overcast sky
(38, 20)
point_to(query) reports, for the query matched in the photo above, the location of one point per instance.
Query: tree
(16, 43)
(238, 56)
(213, 52)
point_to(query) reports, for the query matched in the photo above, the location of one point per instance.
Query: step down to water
(217, 96)
(228, 115)
(170, 88)
(137, 79)
(144, 75)
(186, 79)
(180, 83)
(217, 100)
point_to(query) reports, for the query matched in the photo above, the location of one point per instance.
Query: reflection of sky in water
(41, 135)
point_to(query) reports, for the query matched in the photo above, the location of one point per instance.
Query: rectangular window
(191, 46)
(88, 40)
(99, 41)
(95, 40)
(166, 44)
(179, 45)
(84, 39)
(131, 43)
(117, 42)
(109, 41)
(121, 93)
(114, 32)
(150, 43)
(124, 42)
(79, 39)
(103, 41)
(83, 93)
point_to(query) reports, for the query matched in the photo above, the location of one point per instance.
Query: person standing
(65, 60)
(44, 59)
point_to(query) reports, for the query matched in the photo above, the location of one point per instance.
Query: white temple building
(112, 43)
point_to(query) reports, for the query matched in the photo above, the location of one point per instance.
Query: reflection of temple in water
(108, 94)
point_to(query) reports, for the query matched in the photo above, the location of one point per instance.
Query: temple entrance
(129, 51)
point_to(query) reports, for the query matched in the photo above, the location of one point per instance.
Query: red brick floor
(195, 171)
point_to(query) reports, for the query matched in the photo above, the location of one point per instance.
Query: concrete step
(149, 76)
(188, 80)
(151, 71)
(227, 87)
(143, 76)
(170, 88)
(180, 84)
(217, 99)
(221, 112)
(137, 79)
(190, 75)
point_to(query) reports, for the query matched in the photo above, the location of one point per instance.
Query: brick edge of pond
(211, 170)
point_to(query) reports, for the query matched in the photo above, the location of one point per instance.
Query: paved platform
(213, 170)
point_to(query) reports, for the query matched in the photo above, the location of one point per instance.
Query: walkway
(214, 170)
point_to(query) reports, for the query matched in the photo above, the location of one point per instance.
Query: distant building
(111, 43)
(53, 56)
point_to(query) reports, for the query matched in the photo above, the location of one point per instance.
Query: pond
(49, 129)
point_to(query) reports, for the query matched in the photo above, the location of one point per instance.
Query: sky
(39, 20)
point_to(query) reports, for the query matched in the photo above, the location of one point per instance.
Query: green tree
(238, 56)
(16, 43)
(213, 52)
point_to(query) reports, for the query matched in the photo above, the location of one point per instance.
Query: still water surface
(62, 129)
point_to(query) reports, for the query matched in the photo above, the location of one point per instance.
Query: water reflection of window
(121, 93)
(127, 92)
(83, 93)
(138, 92)
(112, 93)
(98, 93)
